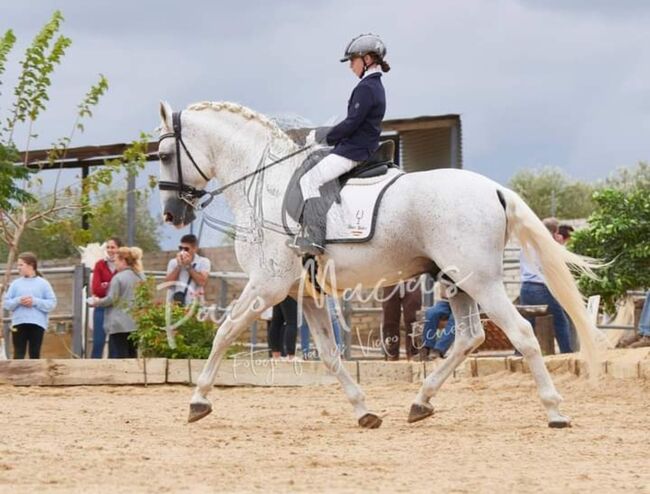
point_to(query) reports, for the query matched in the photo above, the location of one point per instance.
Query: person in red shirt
(102, 274)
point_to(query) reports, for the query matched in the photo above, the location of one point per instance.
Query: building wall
(425, 149)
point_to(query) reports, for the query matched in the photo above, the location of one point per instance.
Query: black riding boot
(314, 220)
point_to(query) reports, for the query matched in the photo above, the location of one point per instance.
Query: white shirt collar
(372, 70)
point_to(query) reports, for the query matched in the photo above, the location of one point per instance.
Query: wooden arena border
(619, 364)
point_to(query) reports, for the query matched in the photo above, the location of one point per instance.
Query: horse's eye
(163, 156)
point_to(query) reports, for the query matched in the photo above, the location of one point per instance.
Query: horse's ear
(166, 116)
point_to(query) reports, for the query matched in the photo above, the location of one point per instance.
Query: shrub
(618, 233)
(193, 337)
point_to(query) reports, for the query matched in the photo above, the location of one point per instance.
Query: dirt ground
(488, 435)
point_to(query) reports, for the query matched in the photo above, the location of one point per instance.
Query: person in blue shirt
(30, 298)
(354, 139)
(535, 292)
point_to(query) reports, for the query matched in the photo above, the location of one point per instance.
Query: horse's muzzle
(178, 213)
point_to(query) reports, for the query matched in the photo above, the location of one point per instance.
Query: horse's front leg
(245, 310)
(320, 326)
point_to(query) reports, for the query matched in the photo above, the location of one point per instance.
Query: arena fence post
(223, 293)
(77, 310)
(6, 331)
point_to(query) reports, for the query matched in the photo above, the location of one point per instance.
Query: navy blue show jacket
(357, 137)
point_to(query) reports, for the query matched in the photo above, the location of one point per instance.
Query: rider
(355, 139)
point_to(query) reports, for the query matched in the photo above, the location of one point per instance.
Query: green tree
(10, 178)
(619, 234)
(628, 179)
(549, 192)
(19, 211)
(57, 237)
(10, 175)
(109, 219)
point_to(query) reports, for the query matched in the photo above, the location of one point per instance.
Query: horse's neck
(255, 147)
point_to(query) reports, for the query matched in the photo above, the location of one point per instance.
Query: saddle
(351, 213)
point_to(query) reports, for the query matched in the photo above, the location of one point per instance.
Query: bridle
(191, 194)
(186, 192)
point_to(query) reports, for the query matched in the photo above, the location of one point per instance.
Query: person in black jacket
(354, 139)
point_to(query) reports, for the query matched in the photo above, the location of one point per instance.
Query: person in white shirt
(189, 271)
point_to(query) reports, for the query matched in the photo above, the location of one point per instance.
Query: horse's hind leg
(494, 301)
(469, 335)
(320, 326)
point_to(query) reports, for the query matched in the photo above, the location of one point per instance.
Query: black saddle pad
(378, 164)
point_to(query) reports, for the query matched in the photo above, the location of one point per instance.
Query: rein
(190, 194)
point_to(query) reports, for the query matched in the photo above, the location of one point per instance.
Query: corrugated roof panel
(425, 149)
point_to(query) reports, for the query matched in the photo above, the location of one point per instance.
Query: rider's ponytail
(381, 62)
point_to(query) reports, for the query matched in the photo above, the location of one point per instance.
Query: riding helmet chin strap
(365, 67)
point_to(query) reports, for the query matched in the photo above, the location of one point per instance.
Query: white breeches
(329, 168)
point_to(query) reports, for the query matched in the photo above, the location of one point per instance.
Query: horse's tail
(555, 260)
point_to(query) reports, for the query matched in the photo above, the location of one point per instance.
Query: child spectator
(30, 298)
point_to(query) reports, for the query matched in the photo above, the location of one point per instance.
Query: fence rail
(81, 275)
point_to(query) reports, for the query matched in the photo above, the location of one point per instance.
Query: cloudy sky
(537, 82)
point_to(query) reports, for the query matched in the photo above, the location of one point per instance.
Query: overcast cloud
(537, 82)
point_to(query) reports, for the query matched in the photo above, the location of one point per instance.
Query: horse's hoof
(370, 421)
(419, 412)
(198, 411)
(559, 423)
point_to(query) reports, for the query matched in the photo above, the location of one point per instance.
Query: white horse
(450, 218)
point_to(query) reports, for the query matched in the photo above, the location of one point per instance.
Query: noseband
(186, 192)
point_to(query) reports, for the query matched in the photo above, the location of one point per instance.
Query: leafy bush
(618, 232)
(193, 337)
(550, 192)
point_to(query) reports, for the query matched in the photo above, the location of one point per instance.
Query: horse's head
(183, 166)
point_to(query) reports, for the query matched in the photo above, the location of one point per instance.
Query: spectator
(103, 272)
(30, 298)
(121, 294)
(436, 341)
(642, 338)
(284, 329)
(189, 271)
(564, 231)
(535, 292)
(406, 297)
